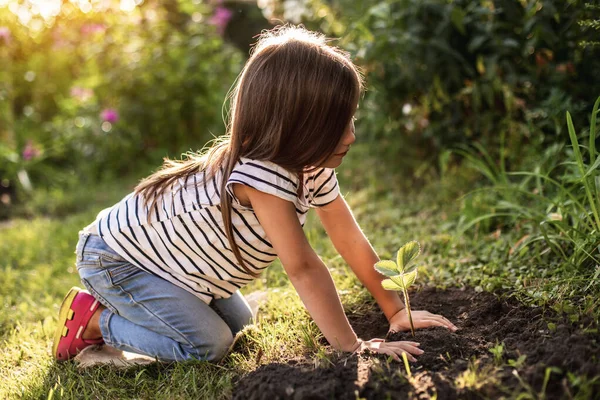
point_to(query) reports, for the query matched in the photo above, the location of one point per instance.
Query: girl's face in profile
(342, 148)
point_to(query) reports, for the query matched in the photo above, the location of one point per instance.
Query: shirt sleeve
(264, 176)
(324, 187)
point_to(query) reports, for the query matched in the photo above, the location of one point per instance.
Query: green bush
(94, 95)
(442, 73)
(555, 206)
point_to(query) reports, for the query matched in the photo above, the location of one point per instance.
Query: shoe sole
(64, 314)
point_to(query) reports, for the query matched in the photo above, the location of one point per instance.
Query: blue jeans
(146, 314)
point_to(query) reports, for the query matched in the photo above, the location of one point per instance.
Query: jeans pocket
(102, 299)
(88, 261)
(118, 272)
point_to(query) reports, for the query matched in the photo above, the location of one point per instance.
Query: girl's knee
(212, 349)
(245, 318)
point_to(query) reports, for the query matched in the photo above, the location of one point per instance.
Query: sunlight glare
(46, 8)
(27, 11)
(23, 14)
(84, 6)
(129, 5)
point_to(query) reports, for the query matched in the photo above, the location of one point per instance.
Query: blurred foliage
(554, 208)
(592, 24)
(489, 81)
(88, 96)
(447, 72)
(85, 93)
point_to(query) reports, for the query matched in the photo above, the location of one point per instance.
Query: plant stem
(579, 161)
(592, 147)
(407, 305)
(406, 365)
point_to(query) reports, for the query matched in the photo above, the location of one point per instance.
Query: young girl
(164, 266)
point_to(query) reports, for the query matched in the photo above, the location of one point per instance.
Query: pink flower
(5, 34)
(221, 18)
(109, 115)
(81, 94)
(30, 151)
(59, 39)
(90, 29)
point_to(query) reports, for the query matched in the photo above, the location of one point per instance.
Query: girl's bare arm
(349, 240)
(353, 246)
(311, 278)
(306, 271)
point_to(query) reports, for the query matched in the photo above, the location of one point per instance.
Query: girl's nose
(350, 136)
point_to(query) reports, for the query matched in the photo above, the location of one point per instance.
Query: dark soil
(454, 365)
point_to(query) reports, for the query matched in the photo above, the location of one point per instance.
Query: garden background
(477, 136)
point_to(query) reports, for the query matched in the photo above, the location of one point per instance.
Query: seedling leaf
(407, 253)
(403, 281)
(401, 275)
(388, 284)
(409, 278)
(387, 267)
(411, 268)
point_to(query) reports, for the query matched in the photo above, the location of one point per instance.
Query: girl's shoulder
(319, 185)
(265, 176)
(266, 170)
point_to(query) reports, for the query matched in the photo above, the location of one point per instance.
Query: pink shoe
(75, 312)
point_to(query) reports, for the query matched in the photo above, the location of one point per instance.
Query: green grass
(552, 214)
(37, 267)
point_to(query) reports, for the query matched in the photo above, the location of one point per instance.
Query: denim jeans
(148, 315)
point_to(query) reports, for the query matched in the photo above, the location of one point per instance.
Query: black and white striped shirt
(182, 238)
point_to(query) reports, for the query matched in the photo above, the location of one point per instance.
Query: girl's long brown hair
(291, 105)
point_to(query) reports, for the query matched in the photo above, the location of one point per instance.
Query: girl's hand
(421, 319)
(394, 349)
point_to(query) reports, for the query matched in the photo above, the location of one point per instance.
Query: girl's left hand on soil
(421, 319)
(393, 349)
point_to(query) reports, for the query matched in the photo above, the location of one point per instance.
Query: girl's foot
(92, 331)
(76, 312)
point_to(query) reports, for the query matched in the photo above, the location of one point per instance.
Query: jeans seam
(109, 340)
(123, 271)
(98, 296)
(104, 327)
(104, 251)
(83, 238)
(103, 254)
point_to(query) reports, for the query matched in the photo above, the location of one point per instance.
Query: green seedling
(406, 365)
(401, 274)
(497, 351)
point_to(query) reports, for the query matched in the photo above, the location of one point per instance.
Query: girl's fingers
(413, 350)
(408, 355)
(402, 342)
(450, 324)
(426, 322)
(392, 353)
(443, 320)
(396, 349)
(397, 354)
(438, 322)
(405, 347)
(447, 324)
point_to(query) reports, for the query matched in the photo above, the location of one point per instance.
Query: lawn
(526, 330)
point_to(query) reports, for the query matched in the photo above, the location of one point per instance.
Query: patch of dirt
(534, 360)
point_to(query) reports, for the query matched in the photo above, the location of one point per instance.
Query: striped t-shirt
(182, 238)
